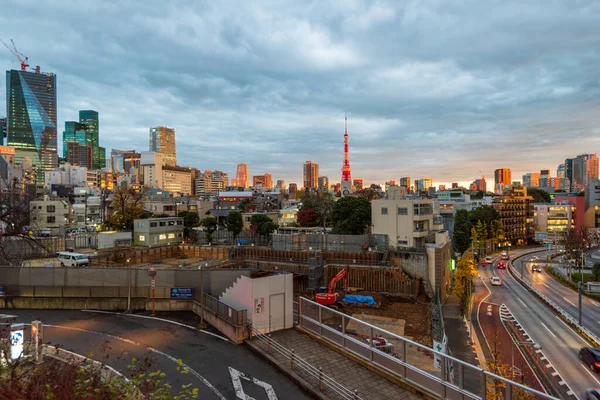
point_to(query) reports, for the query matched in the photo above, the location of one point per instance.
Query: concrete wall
(215, 281)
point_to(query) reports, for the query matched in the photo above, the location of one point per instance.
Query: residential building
(242, 176)
(310, 175)
(545, 178)
(358, 183)
(280, 184)
(151, 164)
(293, 188)
(288, 216)
(423, 185)
(411, 223)
(87, 209)
(232, 199)
(128, 161)
(323, 184)
(211, 182)
(162, 140)
(263, 182)
(157, 231)
(177, 180)
(247, 217)
(67, 174)
(31, 119)
(502, 179)
(405, 181)
(79, 155)
(515, 208)
(56, 215)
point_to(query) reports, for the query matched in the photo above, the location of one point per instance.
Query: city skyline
(277, 100)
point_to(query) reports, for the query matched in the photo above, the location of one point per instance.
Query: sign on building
(16, 341)
(182, 293)
(540, 236)
(442, 348)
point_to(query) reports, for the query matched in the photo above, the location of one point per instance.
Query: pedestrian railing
(430, 370)
(325, 382)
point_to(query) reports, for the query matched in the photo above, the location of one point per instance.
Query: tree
(128, 205)
(367, 193)
(246, 205)
(574, 242)
(539, 195)
(307, 217)
(486, 214)
(596, 271)
(210, 226)
(462, 231)
(496, 233)
(234, 223)
(262, 225)
(351, 216)
(190, 218)
(479, 236)
(465, 271)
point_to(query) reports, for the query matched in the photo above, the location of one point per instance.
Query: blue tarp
(351, 299)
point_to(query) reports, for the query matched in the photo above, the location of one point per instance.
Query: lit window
(171, 236)
(142, 238)
(162, 236)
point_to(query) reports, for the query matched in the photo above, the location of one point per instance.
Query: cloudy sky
(431, 88)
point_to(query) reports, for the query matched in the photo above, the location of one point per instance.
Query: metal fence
(330, 242)
(423, 367)
(229, 314)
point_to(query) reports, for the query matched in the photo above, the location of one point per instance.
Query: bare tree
(574, 241)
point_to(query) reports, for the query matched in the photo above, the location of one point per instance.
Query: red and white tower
(346, 177)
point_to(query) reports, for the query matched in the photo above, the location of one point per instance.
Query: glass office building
(89, 119)
(31, 118)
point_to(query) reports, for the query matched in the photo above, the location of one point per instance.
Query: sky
(431, 88)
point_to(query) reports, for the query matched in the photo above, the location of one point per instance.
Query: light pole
(201, 268)
(128, 285)
(536, 346)
(152, 273)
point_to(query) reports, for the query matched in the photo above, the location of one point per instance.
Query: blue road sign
(182, 293)
(2, 291)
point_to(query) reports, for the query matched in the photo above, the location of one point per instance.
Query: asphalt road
(215, 364)
(560, 344)
(566, 298)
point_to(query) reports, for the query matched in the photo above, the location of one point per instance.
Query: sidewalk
(343, 370)
(460, 344)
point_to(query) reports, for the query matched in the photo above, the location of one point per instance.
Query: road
(215, 364)
(560, 344)
(566, 298)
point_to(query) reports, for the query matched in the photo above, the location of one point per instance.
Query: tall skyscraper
(311, 175)
(580, 169)
(502, 179)
(31, 118)
(89, 119)
(241, 176)
(405, 181)
(323, 183)
(162, 140)
(346, 170)
(75, 132)
(560, 171)
(79, 155)
(293, 189)
(264, 182)
(2, 130)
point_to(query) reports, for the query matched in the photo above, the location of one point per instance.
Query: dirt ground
(415, 313)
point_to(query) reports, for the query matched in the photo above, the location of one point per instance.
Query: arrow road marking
(592, 375)
(548, 329)
(569, 301)
(236, 379)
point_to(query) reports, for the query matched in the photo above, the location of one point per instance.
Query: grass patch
(587, 277)
(573, 285)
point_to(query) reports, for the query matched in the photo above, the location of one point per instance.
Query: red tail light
(597, 365)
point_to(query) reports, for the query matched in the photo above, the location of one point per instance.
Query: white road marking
(237, 376)
(592, 375)
(548, 329)
(160, 319)
(546, 285)
(569, 301)
(594, 303)
(152, 349)
(7, 316)
(522, 302)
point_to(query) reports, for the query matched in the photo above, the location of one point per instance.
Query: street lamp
(201, 268)
(534, 345)
(128, 285)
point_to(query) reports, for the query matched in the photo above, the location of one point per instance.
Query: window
(162, 236)
(50, 219)
(163, 224)
(140, 224)
(402, 211)
(171, 223)
(402, 242)
(179, 234)
(179, 222)
(153, 224)
(384, 211)
(50, 208)
(171, 236)
(142, 238)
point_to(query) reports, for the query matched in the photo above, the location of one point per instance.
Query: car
(536, 268)
(504, 257)
(590, 357)
(489, 260)
(501, 265)
(68, 259)
(496, 281)
(534, 258)
(592, 394)
(482, 263)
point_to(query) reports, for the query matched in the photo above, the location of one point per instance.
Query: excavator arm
(343, 274)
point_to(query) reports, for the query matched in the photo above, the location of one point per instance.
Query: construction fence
(19, 248)
(329, 242)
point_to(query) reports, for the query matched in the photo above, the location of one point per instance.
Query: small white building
(268, 300)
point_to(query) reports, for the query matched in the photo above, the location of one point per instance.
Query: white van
(68, 259)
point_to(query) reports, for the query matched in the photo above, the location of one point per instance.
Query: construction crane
(21, 57)
(328, 296)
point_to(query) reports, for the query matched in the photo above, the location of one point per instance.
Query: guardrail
(324, 381)
(583, 332)
(430, 370)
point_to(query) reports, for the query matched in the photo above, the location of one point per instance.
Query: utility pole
(580, 292)
(128, 285)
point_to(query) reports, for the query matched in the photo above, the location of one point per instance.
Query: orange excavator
(328, 296)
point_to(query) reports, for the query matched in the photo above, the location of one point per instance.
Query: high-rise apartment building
(293, 189)
(423, 185)
(323, 183)
(358, 183)
(162, 140)
(405, 181)
(280, 184)
(211, 182)
(241, 176)
(531, 179)
(264, 182)
(31, 118)
(502, 179)
(311, 175)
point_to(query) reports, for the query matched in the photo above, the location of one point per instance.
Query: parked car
(590, 357)
(496, 281)
(68, 259)
(592, 394)
(489, 260)
(501, 265)
(536, 268)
